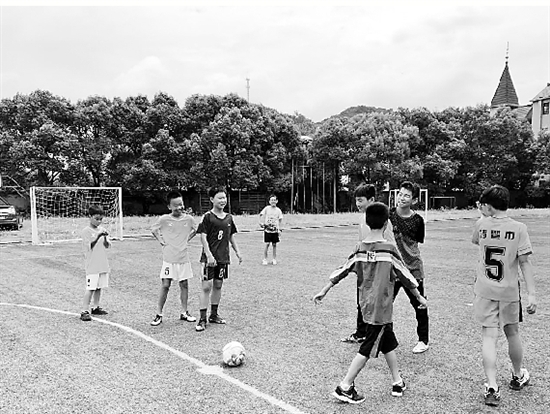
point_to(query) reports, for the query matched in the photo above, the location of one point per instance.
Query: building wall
(540, 120)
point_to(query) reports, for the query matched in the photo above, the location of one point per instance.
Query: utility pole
(248, 90)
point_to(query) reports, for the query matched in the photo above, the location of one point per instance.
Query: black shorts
(271, 237)
(220, 271)
(379, 338)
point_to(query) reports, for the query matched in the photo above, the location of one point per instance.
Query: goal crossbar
(60, 213)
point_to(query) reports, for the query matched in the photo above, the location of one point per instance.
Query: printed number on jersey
(494, 267)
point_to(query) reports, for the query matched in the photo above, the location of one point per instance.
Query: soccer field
(51, 362)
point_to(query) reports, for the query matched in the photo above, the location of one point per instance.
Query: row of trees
(147, 146)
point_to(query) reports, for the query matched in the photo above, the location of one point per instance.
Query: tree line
(147, 145)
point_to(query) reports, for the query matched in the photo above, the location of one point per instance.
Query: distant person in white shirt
(173, 231)
(95, 241)
(271, 218)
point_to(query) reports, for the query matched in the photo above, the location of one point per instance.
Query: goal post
(422, 204)
(60, 213)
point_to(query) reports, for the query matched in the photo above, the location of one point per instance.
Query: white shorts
(97, 281)
(179, 271)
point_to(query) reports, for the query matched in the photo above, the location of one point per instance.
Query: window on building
(545, 108)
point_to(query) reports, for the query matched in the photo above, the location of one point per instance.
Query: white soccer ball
(233, 354)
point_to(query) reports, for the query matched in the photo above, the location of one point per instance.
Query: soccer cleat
(264, 262)
(353, 339)
(491, 396)
(420, 347)
(518, 383)
(99, 311)
(157, 321)
(85, 316)
(186, 316)
(274, 262)
(397, 389)
(350, 396)
(201, 326)
(216, 319)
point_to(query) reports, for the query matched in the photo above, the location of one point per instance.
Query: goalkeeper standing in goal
(95, 241)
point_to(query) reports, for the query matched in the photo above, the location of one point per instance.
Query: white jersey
(95, 260)
(273, 216)
(501, 241)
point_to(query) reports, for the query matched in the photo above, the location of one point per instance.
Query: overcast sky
(317, 58)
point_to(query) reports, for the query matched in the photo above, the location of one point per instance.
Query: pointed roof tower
(505, 94)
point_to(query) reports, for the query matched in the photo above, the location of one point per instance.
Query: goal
(421, 206)
(60, 213)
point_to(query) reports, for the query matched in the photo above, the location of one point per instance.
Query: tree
(35, 133)
(380, 149)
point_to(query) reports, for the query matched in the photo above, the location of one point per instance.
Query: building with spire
(537, 112)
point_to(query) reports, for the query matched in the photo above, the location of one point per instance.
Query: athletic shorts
(179, 271)
(96, 281)
(220, 271)
(271, 237)
(495, 313)
(378, 338)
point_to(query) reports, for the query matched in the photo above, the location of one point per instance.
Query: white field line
(202, 367)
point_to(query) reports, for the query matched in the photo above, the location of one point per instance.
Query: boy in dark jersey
(217, 231)
(409, 230)
(377, 265)
(504, 246)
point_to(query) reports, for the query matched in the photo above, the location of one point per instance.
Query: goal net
(421, 206)
(60, 213)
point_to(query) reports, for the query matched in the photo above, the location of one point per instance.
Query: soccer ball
(233, 354)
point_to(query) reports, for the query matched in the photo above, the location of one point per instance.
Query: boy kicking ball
(377, 264)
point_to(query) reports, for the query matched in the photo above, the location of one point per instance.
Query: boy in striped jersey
(378, 265)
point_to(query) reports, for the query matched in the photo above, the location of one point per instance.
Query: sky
(312, 57)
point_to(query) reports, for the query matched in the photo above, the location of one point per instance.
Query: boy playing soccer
(94, 242)
(409, 230)
(377, 265)
(217, 231)
(503, 245)
(364, 196)
(271, 218)
(173, 231)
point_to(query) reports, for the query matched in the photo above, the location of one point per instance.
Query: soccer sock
(214, 310)
(203, 314)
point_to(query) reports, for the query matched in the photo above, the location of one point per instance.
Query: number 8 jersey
(501, 241)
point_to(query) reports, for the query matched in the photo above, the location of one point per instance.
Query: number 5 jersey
(501, 241)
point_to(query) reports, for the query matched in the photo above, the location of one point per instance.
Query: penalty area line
(202, 367)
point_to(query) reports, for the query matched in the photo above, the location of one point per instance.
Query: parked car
(9, 217)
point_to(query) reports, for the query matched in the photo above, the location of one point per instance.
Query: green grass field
(51, 362)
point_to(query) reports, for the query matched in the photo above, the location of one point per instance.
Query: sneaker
(420, 347)
(274, 262)
(85, 316)
(491, 396)
(186, 316)
(353, 339)
(157, 321)
(264, 262)
(99, 311)
(397, 389)
(216, 319)
(349, 396)
(518, 383)
(201, 326)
